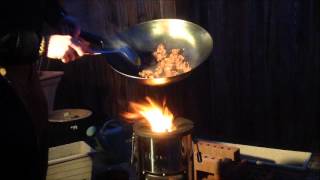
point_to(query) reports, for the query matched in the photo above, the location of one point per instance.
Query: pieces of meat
(160, 52)
(167, 64)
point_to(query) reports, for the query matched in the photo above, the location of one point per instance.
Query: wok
(143, 38)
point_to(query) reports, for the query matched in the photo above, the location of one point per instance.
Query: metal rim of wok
(183, 127)
(194, 40)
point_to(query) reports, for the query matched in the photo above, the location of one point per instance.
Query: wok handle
(104, 52)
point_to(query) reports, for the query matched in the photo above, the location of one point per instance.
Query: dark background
(260, 86)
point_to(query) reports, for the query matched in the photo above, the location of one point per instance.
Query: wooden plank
(69, 169)
(80, 174)
(70, 165)
(84, 176)
(68, 152)
(69, 161)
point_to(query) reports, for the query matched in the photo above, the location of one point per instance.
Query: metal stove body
(162, 156)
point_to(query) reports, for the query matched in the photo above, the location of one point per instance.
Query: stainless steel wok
(143, 38)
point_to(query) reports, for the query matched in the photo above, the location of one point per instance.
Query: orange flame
(159, 118)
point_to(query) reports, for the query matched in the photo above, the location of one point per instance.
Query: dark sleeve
(54, 12)
(20, 47)
(17, 136)
(20, 36)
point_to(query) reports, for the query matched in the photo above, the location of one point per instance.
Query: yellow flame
(159, 118)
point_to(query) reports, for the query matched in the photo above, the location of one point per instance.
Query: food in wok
(169, 63)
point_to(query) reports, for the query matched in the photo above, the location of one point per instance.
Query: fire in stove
(162, 144)
(160, 118)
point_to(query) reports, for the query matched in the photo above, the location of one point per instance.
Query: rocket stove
(161, 144)
(165, 155)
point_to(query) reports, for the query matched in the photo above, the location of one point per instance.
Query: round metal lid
(67, 115)
(183, 127)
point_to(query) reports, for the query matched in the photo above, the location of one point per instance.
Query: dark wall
(260, 86)
(264, 70)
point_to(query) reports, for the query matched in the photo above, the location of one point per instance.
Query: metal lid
(67, 115)
(183, 127)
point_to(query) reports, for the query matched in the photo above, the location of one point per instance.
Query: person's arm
(65, 44)
(20, 35)
(54, 12)
(64, 47)
(18, 47)
(59, 19)
(22, 43)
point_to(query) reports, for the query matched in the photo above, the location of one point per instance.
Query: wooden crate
(70, 162)
(212, 155)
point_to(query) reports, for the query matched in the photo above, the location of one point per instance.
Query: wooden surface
(217, 150)
(261, 86)
(212, 155)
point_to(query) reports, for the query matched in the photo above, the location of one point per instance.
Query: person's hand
(67, 48)
(68, 45)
